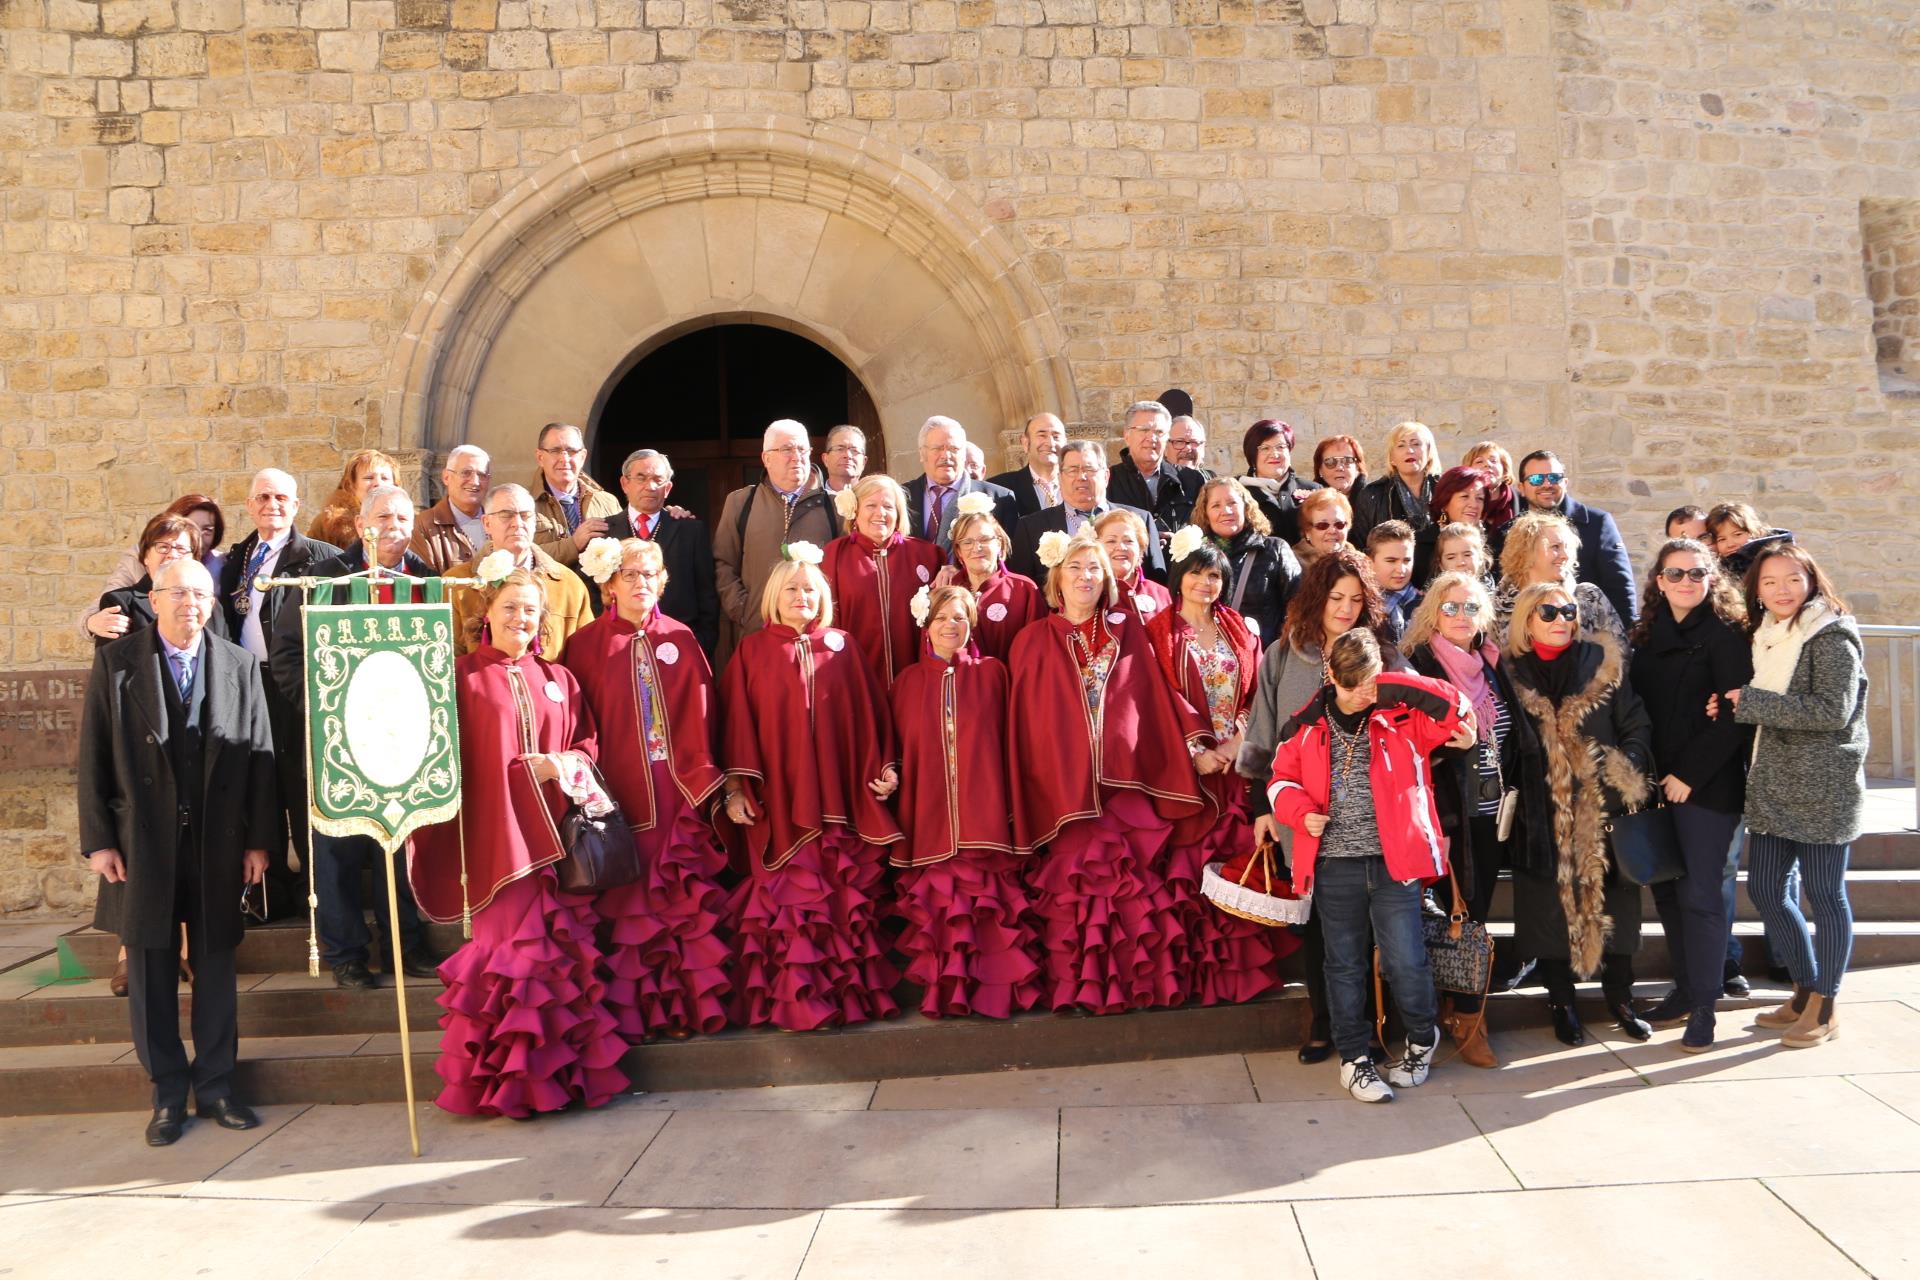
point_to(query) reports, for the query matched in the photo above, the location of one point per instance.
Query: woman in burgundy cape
(1101, 772)
(810, 760)
(1124, 535)
(1004, 601)
(526, 1028)
(1210, 657)
(874, 571)
(647, 681)
(967, 942)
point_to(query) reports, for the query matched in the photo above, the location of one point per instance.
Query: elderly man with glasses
(789, 504)
(933, 497)
(178, 805)
(570, 509)
(1603, 552)
(454, 528)
(1083, 500)
(510, 519)
(844, 460)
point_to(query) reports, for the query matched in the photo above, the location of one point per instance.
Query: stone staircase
(63, 1036)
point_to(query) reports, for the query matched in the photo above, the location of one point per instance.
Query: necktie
(939, 514)
(570, 507)
(183, 675)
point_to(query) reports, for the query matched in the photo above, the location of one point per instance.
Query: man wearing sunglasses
(178, 804)
(1544, 484)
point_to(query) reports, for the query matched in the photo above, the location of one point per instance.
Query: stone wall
(1890, 252)
(1632, 231)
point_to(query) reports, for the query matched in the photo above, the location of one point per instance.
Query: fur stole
(1578, 770)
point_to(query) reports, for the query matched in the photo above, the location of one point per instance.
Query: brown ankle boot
(1817, 1025)
(1787, 1014)
(1469, 1032)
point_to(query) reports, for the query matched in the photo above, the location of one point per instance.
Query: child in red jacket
(1352, 779)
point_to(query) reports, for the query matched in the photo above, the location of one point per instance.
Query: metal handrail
(1900, 765)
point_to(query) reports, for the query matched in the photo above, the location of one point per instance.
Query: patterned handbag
(1459, 950)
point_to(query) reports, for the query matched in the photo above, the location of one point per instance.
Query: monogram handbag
(1459, 950)
(1645, 845)
(601, 854)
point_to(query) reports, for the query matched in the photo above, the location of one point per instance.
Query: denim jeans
(1347, 893)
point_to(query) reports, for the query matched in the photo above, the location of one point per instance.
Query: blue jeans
(1693, 909)
(1347, 893)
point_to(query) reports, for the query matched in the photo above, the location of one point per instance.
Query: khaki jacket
(741, 564)
(437, 538)
(550, 532)
(567, 607)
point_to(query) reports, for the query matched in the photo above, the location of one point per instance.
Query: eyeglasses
(793, 450)
(1455, 608)
(516, 516)
(1538, 478)
(648, 482)
(849, 450)
(469, 474)
(1080, 473)
(632, 576)
(1691, 575)
(984, 540)
(567, 452)
(1548, 612)
(1339, 464)
(1324, 525)
(181, 594)
(171, 550)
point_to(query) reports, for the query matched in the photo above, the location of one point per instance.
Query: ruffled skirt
(1228, 959)
(525, 1027)
(1108, 930)
(665, 957)
(808, 945)
(967, 941)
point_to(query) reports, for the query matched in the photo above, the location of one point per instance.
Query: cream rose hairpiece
(494, 568)
(919, 605)
(846, 504)
(1186, 540)
(974, 504)
(1053, 548)
(802, 553)
(601, 559)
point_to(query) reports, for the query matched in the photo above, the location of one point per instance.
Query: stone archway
(845, 239)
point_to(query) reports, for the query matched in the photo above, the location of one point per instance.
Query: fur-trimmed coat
(1599, 748)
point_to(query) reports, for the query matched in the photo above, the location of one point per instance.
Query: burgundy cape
(872, 589)
(1142, 585)
(601, 656)
(806, 719)
(1059, 767)
(507, 708)
(1172, 640)
(1008, 602)
(952, 720)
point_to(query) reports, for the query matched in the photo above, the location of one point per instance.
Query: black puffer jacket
(1265, 573)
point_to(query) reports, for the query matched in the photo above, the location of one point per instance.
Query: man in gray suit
(178, 805)
(933, 499)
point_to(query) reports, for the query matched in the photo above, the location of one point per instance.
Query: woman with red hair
(1277, 488)
(338, 521)
(1459, 497)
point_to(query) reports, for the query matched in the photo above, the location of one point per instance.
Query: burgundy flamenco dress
(806, 727)
(967, 940)
(668, 958)
(525, 1027)
(1229, 959)
(1007, 602)
(1101, 772)
(873, 586)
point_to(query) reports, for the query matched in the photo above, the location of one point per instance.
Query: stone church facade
(1677, 241)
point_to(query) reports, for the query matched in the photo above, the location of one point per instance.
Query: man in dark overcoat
(178, 805)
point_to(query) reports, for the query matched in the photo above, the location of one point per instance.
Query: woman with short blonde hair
(1125, 537)
(875, 569)
(1405, 491)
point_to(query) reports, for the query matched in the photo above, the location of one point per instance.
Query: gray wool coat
(1809, 776)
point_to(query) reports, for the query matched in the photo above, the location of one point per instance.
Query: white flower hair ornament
(846, 504)
(601, 559)
(802, 553)
(1186, 540)
(1053, 548)
(494, 568)
(974, 504)
(920, 605)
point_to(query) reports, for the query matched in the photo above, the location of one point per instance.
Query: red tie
(383, 593)
(653, 522)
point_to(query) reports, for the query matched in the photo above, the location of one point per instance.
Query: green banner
(383, 731)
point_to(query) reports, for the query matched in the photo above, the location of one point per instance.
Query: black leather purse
(1645, 845)
(601, 854)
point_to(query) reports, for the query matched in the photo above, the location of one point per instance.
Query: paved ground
(1753, 1161)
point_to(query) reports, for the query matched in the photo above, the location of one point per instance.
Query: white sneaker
(1412, 1070)
(1363, 1082)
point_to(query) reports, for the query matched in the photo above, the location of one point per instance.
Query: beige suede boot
(1817, 1026)
(1788, 1014)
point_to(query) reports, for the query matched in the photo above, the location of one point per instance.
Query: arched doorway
(704, 397)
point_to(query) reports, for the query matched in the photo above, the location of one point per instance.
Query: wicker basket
(1250, 888)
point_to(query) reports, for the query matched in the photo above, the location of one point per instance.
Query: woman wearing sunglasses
(1543, 548)
(1689, 644)
(1576, 913)
(1447, 640)
(1325, 519)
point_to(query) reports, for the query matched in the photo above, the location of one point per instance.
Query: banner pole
(306, 770)
(400, 998)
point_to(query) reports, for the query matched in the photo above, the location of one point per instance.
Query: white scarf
(1776, 651)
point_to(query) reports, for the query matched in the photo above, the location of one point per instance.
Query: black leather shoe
(354, 975)
(1737, 986)
(1628, 1021)
(418, 964)
(1312, 1052)
(1566, 1025)
(1672, 1010)
(165, 1127)
(228, 1114)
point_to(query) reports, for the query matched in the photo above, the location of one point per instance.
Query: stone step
(1876, 895)
(270, 1005)
(278, 947)
(1875, 943)
(1886, 851)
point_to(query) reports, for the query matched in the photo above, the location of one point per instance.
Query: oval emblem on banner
(834, 641)
(668, 653)
(553, 692)
(996, 612)
(387, 718)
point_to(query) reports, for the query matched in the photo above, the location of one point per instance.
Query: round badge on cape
(996, 612)
(925, 576)
(553, 692)
(1116, 617)
(1145, 603)
(834, 641)
(1253, 626)
(668, 653)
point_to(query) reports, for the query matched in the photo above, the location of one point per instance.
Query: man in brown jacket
(790, 504)
(570, 510)
(452, 530)
(510, 529)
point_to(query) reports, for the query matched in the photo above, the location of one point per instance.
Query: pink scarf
(1467, 671)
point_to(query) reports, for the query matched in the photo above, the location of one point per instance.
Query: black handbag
(1645, 845)
(601, 854)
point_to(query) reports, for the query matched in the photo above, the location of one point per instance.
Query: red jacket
(1413, 716)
